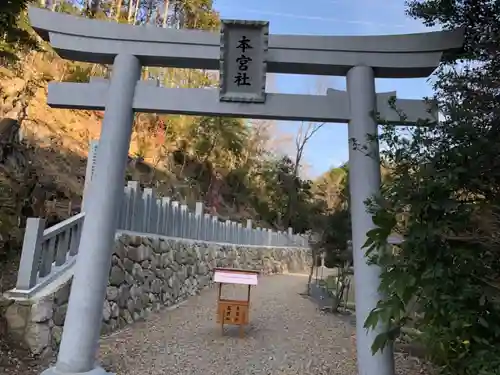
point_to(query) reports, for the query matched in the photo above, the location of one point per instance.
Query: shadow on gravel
(233, 331)
(325, 303)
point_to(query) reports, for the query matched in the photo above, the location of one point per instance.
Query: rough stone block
(42, 310)
(61, 296)
(38, 337)
(60, 314)
(140, 253)
(116, 276)
(17, 317)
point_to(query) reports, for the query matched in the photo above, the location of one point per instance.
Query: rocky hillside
(43, 155)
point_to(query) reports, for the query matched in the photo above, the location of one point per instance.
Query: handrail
(60, 227)
(47, 253)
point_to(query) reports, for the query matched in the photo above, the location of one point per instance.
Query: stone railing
(48, 253)
(148, 272)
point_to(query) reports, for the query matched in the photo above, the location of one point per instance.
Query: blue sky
(329, 17)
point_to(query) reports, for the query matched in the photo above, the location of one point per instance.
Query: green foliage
(15, 35)
(335, 225)
(444, 197)
(199, 14)
(274, 182)
(77, 73)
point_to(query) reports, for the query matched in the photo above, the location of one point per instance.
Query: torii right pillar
(364, 183)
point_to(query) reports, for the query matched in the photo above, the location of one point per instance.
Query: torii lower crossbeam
(332, 107)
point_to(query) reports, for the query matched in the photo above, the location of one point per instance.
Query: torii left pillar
(79, 344)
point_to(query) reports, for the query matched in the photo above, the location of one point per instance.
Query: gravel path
(287, 335)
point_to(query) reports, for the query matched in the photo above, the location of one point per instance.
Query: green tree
(444, 197)
(14, 32)
(335, 229)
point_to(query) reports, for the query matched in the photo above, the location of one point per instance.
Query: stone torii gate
(129, 48)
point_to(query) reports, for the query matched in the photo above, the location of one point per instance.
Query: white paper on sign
(235, 278)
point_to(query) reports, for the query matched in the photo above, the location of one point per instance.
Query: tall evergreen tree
(444, 197)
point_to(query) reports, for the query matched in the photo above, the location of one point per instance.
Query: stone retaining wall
(147, 273)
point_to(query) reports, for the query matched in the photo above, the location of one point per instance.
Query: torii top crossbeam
(390, 56)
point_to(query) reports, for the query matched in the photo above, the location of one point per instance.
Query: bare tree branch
(305, 133)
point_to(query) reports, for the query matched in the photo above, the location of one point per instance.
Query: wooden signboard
(229, 311)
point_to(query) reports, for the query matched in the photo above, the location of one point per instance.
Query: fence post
(175, 218)
(234, 227)
(153, 213)
(231, 227)
(126, 209)
(158, 215)
(198, 212)
(147, 198)
(205, 225)
(228, 231)
(222, 229)
(135, 206)
(254, 236)
(191, 225)
(214, 229)
(239, 236)
(225, 231)
(217, 229)
(210, 228)
(248, 232)
(184, 221)
(289, 241)
(167, 219)
(31, 253)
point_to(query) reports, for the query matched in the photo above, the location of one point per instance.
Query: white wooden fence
(143, 211)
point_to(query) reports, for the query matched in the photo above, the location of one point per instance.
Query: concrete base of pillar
(95, 371)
